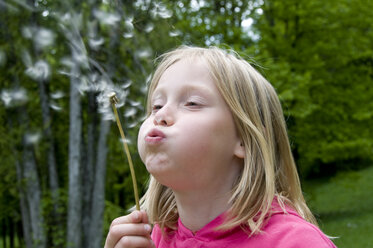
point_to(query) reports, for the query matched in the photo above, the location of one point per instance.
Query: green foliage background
(317, 54)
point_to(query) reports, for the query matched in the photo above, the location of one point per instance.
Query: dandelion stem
(113, 101)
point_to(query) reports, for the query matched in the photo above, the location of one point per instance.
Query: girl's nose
(164, 117)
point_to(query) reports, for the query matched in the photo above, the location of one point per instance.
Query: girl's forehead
(184, 72)
(193, 65)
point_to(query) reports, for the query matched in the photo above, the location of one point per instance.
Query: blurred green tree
(319, 57)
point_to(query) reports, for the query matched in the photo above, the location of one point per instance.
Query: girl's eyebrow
(189, 89)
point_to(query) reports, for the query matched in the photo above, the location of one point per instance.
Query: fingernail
(147, 227)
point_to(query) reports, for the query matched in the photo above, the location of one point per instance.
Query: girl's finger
(134, 241)
(144, 217)
(124, 230)
(134, 217)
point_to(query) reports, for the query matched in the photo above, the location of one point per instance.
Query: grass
(343, 206)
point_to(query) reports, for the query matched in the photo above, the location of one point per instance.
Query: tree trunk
(48, 135)
(98, 201)
(3, 232)
(89, 168)
(75, 200)
(11, 232)
(33, 196)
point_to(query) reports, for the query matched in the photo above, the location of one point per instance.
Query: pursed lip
(154, 136)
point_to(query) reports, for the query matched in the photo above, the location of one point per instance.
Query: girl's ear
(239, 150)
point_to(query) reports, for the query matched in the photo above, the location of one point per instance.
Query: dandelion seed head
(103, 100)
(108, 116)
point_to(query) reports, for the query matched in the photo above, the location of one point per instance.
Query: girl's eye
(192, 104)
(156, 107)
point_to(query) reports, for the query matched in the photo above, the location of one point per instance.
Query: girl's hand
(132, 230)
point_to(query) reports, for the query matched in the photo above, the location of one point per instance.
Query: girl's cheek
(140, 138)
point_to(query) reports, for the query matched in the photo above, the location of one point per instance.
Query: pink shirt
(283, 230)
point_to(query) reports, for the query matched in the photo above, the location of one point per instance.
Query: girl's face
(189, 140)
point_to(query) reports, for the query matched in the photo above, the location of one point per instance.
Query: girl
(222, 172)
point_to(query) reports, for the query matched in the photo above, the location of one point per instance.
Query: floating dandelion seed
(106, 18)
(161, 11)
(26, 58)
(55, 107)
(6, 98)
(14, 97)
(43, 37)
(128, 23)
(133, 124)
(114, 101)
(134, 103)
(174, 33)
(32, 138)
(45, 13)
(127, 141)
(144, 53)
(128, 35)
(149, 27)
(67, 61)
(57, 95)
(130, 112)
(95, 43)
(40, 71)
(127, 84)
(27, 32)
(80, 57)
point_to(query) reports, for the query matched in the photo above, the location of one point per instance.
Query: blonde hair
(269, 169)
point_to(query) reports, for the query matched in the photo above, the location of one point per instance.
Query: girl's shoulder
(288, 229)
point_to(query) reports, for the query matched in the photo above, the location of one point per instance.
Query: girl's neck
(199, 206)
(198, 209)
